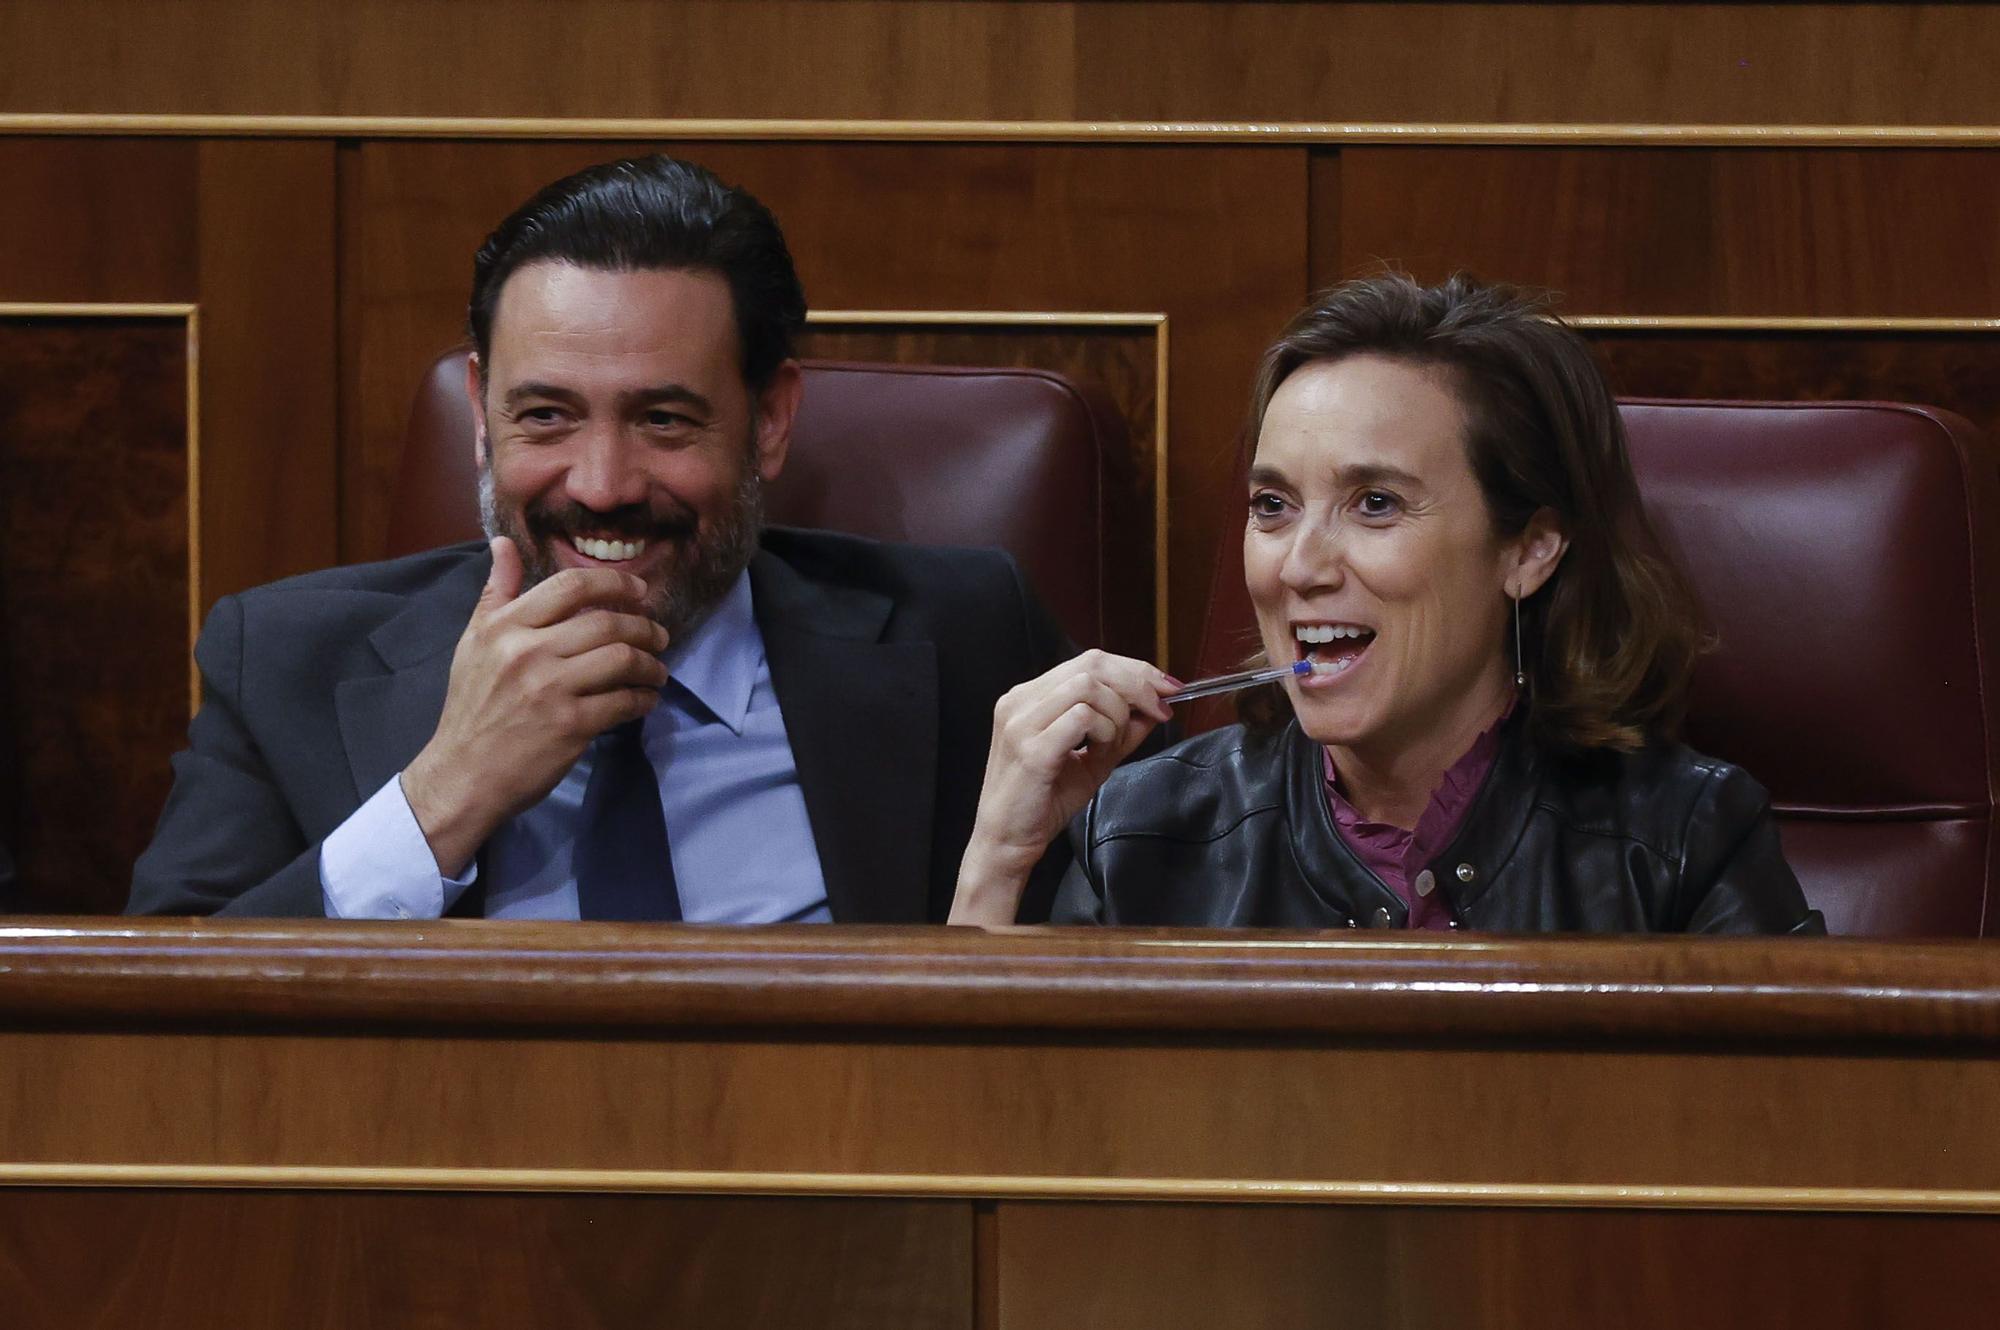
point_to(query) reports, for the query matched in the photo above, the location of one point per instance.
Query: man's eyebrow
(521, 392)
(678, 393)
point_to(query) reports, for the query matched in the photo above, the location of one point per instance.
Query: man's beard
(711, 554)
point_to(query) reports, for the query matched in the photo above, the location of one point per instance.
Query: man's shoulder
(407, 576)
(314, 611)
(887, 565)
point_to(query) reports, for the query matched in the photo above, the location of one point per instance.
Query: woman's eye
(1378, 503)
(1266, 505)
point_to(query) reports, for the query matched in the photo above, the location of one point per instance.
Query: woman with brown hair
(1444, 533)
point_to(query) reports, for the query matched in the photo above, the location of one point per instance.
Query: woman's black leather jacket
(1233, 830)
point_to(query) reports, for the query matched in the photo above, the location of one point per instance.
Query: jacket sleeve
(226, 842)
(1080, 898)
(1050, 885)
(1733, 874)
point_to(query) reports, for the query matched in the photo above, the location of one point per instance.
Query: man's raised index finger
(575, 589)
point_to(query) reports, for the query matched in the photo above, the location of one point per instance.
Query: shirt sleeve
(377, 864)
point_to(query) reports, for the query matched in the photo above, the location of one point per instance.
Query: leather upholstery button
(1381, 918)
(1425, 883)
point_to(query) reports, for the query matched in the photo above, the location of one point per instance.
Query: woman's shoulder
(1199, 789)
(1657, 793)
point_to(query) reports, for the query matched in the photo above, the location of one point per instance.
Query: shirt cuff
(377, 864)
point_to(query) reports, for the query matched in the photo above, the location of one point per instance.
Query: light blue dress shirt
(742, 845)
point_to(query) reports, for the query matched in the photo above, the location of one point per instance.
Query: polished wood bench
(489, 1124)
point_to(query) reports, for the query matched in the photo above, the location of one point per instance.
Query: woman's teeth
(609, 551)
(1313, 634)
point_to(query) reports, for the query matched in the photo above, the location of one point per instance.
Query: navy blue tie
(623, 870)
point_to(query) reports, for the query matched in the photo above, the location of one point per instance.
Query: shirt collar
(1449, 802)
(718, 661)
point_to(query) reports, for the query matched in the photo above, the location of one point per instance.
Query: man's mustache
(636, 521)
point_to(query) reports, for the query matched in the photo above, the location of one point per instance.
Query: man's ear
(475, 394)
(1537, 551)
(777, 408)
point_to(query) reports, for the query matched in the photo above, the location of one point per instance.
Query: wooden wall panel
(93, 597)
(991, 59)
(1214, 238)
(97, 219)
(430, 1261)
(1112, 1267)
(1681, 231)
(244, 230)
(269, 376)
(1952, 370)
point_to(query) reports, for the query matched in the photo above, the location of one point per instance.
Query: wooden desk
(482, 1124)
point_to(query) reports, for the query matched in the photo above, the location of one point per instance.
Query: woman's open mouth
(1333, 648)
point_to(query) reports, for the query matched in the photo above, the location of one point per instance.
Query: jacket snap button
(1425, 883)
(1454, 923)
(1381, 918)
(1465, 873)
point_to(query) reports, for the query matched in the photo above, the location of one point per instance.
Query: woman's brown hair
(1609, 641)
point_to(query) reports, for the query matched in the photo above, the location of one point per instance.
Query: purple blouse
(1398, 856)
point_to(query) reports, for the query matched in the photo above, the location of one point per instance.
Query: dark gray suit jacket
(886, 659)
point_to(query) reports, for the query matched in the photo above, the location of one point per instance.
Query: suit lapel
(861, 716)
(385, 719)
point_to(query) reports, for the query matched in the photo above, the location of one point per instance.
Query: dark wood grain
(910, 1060)
(404, 1261)
(1112, 1267)
(269, 432)
(1951, 370)
(459, 972)
(1688, 63)
(1682, 231)
(97, 219)
(1599, 1168)
(93, 596)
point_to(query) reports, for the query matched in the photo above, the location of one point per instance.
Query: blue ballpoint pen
(1229, 683)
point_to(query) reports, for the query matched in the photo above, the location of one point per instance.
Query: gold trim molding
(1154, 323)
(1774, 323)
(1011, 131)
(1615, 1196)
(190, 315)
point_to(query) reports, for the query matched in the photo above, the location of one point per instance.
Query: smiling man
(632, 701)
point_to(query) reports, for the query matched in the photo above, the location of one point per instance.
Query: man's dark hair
(649, 213)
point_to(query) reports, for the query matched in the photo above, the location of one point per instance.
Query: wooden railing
(594, 1124)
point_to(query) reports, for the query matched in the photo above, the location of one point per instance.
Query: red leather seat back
(1013, 458)
(1845, 554)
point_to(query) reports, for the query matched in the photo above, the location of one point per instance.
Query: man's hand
(535, 678)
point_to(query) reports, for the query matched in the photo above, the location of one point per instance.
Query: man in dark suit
(626, 704)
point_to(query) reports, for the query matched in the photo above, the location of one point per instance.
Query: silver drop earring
(1520, 665)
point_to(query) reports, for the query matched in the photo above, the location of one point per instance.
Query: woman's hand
(1055, 739)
